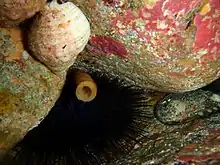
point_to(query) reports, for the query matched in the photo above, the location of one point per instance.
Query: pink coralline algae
(170, 18)
(107, 45)
(178, 10)
(147, 22)
(164, 16)
(175, 7)
(174, 43)
(208, 32)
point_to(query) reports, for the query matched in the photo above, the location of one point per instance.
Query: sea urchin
(82, 133)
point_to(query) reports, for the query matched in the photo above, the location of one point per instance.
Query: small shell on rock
(58, 34)
(13, 12)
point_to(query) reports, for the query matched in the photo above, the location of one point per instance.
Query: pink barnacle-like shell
(58, 34)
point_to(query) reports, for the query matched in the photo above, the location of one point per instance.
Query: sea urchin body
(76, 132)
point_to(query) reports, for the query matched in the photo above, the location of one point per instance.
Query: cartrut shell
(13, 12)
(58, 34)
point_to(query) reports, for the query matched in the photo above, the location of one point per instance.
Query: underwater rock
(13, 12)
(185, 107)
(171, 46)
(28, 90)
(168, 132)
(205, 152)
(175, 140)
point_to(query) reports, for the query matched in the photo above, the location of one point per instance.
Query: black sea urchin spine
(83, 133)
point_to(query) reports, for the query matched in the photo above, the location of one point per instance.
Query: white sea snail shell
(58, 34)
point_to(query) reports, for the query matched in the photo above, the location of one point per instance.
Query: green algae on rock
(28, 89)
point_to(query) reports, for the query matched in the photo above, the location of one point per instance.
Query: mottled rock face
(13, 12)
(25, 85)
(171, 45)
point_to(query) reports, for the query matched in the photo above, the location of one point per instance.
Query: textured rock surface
(175, 135)
(167, 45)
(28, 90)
(13, 12)
(194, 141)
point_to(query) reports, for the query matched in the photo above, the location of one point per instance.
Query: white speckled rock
(58, 34)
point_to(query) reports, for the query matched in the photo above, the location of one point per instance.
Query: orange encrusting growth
(205, 8)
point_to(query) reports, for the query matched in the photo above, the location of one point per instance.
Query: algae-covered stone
(28, 90)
